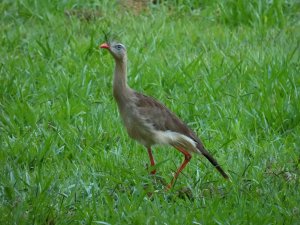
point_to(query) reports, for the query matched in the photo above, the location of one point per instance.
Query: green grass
(230, 69)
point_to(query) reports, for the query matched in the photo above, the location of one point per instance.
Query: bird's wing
(161, 118)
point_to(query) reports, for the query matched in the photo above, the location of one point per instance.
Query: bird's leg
(187, 158)
(151, 159)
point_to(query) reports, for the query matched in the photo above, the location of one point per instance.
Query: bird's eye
(119, 47)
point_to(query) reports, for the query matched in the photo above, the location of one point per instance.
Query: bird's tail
(212, 160)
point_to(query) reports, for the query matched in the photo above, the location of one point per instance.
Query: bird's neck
(121, 91)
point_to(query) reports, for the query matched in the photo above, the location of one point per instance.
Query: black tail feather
(212, 160)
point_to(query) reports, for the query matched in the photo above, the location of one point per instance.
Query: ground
(229, 69)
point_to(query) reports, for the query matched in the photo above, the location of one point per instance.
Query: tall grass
(229, 69)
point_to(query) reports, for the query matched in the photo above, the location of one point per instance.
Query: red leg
(187, 158)
(151, 159)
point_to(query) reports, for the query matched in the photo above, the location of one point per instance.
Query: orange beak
(104, 45)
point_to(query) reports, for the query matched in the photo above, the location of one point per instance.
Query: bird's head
(117, 50)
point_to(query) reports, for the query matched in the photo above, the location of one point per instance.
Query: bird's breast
(136, 126)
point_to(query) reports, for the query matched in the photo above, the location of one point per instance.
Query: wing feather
(161, 118)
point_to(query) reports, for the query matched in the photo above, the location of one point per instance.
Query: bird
(150, 122)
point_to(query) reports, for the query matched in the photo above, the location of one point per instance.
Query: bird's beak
(104, 45)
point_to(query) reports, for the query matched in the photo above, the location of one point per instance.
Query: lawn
(230, 69)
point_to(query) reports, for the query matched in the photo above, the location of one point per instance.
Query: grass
(231, 69)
